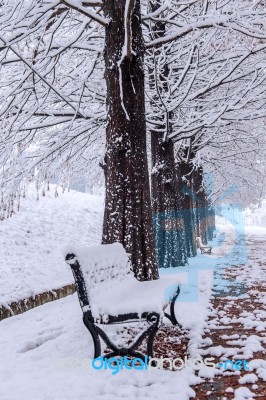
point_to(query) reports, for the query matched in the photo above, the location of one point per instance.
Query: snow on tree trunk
(186, 206)
(168, 223)
(127, 217)
(201, 204)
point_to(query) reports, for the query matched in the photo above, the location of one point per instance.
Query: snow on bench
(109, 293)
(203, 248)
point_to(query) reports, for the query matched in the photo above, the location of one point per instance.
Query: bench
(109, 293)
(203, 248)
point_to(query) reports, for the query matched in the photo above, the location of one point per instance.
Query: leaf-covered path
(236, 329)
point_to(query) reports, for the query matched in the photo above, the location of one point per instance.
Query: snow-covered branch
(78, 6)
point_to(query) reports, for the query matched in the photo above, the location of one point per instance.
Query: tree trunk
(211, 222)
(127, 217)
(168, 223)
(201, 204)
(186, 206)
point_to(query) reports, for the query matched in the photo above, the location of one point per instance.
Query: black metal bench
(203, 248)
(103, 276)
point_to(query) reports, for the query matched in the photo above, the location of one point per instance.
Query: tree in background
(201, 85)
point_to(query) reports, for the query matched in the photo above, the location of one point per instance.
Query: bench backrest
(96, 265)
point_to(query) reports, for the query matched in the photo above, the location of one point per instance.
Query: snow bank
(31, 241)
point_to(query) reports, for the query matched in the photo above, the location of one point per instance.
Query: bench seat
(130, 296)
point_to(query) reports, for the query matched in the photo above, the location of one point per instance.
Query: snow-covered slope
(31, 241)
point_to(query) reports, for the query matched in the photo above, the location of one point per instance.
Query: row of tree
(83, 82)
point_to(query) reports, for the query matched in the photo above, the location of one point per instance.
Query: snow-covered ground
(31, 242)
(46, 354)
(236, 327)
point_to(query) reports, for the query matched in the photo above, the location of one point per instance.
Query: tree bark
(184, 177)
(168, 222)
(211, 222)
(201, 204)
(127, 217)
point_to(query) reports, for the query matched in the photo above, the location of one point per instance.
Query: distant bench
(109, 293)
(203, 248)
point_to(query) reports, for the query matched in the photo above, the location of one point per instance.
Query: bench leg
(95, 336)
(150, 341)
(97, 332)
(206, 251)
